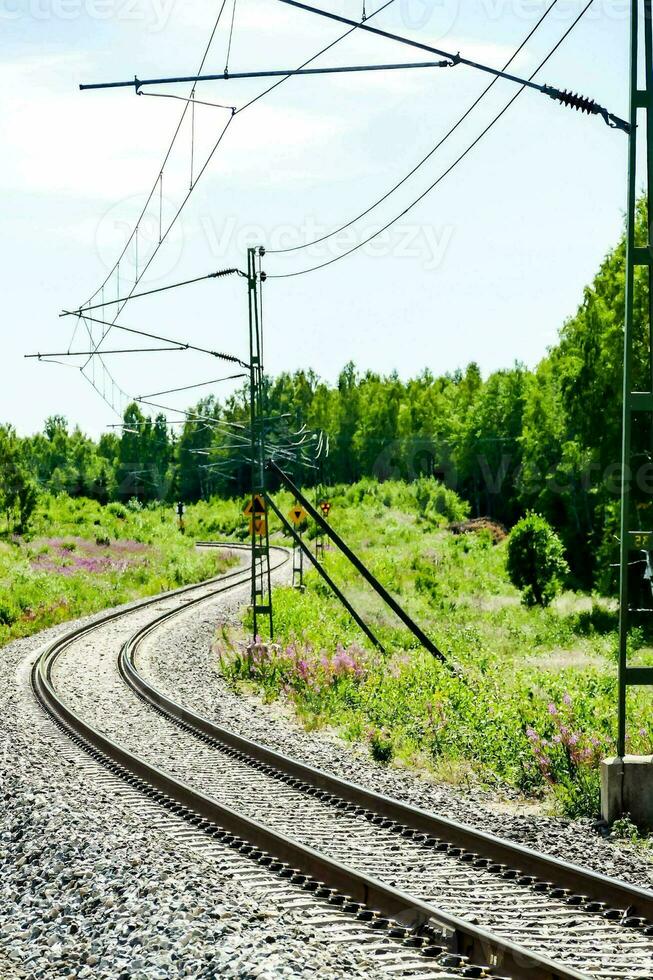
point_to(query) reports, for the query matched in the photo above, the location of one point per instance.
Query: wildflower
(551, 708)
(566, 697)
(342, 664)
(532, 735)
(544, 764)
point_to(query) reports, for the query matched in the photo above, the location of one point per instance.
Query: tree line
(546, 439)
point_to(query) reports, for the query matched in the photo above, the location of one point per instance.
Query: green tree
(18, 493)
(536, 563)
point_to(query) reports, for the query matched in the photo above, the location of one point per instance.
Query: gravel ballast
(95, 884)
(91, 888)
(181, 662)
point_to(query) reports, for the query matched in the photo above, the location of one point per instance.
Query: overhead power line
(461, 119)
(260, 95)
(318, 54)
(133, 237)
(165, 158)
(182, 98)
(202, 384)
(194, 416)
(567, 98)
(167, 231)
(179, 343)
(231, 34)
(459, 159)
(158, 186)
(149, 292)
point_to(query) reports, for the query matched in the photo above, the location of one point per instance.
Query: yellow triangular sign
(255, 506)
(297, 514)
(258, 525)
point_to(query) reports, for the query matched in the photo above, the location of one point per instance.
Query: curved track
(383, 861)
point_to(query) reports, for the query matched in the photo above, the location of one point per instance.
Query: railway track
(377, 860)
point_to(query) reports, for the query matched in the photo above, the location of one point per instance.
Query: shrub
(536, 563)
(381, 746)
(437, 503)
(9, 612)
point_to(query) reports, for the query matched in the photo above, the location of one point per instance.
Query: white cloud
(109, 145)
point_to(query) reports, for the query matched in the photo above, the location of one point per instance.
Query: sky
(486, 267)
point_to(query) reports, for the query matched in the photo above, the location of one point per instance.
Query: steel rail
(514, 857)
(292, 859)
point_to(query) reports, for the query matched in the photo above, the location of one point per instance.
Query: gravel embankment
(91, 888)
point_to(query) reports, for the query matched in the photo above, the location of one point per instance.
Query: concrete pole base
(627, 787)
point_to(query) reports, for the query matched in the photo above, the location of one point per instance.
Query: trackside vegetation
(536, 563)
(528, 696)
(80, 557)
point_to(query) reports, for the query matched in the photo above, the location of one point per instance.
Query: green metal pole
(251, 297)
(265, 554)
(261, 575)
(648, 69)
(627, 381)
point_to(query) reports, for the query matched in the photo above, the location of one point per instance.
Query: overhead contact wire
(491, 124)
(322, 51)
(231, 34)
(167, 154)
(440, 143)
(216, 145)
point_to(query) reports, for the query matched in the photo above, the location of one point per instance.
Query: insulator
(578, 102)
(222, 272)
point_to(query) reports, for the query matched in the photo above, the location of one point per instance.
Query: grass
(80, 557)
(528, 695)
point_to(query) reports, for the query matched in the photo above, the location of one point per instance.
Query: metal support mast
(298, 562)
(261, 592)
(637, 404)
